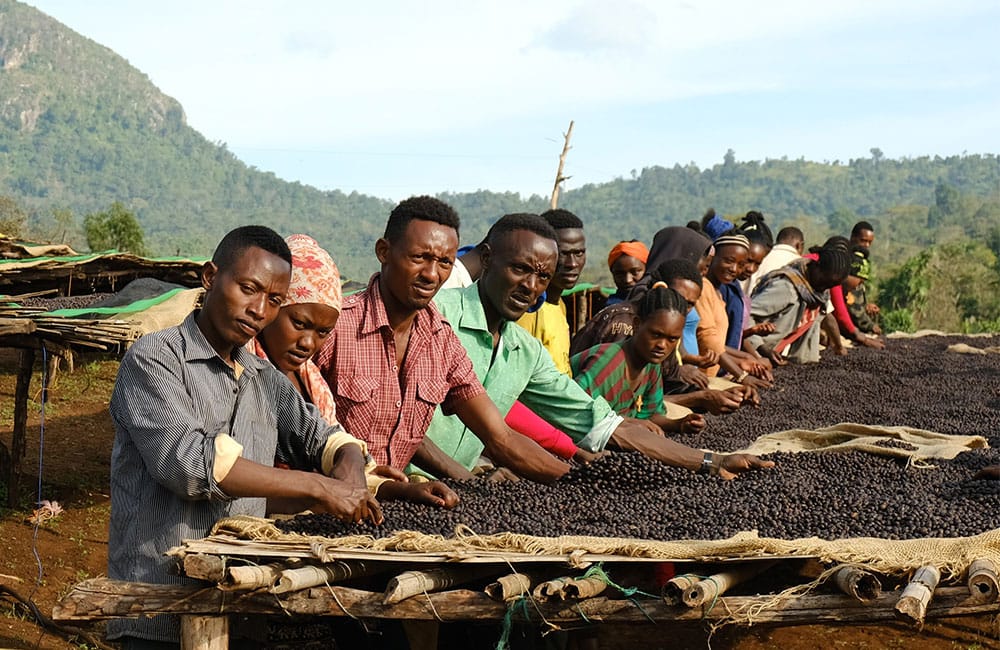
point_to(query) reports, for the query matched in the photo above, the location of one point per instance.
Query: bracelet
(743, 375)
(707, 463)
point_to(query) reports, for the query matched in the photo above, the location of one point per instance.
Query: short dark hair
(677, 269)
(238, 240)
(519, 221)
(426, 208)
(859, 227)
(662, 298)
(562, 219)
(756, 230)
(790, 235)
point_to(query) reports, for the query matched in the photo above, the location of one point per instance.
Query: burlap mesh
(950, 555)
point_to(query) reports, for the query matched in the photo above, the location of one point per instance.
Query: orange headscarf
(634, 249)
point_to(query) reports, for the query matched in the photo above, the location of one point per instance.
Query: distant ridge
(81, 128)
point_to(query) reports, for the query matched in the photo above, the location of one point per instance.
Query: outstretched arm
(505, 447)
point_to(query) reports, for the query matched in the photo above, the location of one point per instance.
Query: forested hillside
(80, 129)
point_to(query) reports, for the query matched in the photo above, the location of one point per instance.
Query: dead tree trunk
(562, 161)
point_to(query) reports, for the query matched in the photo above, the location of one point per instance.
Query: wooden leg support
(204, 632)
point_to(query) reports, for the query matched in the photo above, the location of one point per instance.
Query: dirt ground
(72, 547)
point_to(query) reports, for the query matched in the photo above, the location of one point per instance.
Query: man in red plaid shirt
(392, 358)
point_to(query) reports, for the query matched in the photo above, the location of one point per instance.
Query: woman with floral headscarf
(309, 314)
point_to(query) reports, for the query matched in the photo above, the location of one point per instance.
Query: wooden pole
(20, 434)
(562, 161)
(204, 633)
(101, 599)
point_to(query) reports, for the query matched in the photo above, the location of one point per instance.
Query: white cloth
(781, 255)
(459, 278)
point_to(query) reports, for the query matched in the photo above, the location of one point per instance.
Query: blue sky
(400, 98)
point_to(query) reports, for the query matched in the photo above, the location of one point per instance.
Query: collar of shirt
(375, 317)
(197, 348)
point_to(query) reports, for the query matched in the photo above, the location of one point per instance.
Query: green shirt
(522, 370)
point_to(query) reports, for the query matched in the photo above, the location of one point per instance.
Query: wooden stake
(412, 583)
(983, 581)
(912, 605)
(709, 589)
(204, 633)
(201, 566)
(857, 583)
(562, 161)
(20, 433)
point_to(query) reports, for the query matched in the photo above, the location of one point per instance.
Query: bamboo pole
(912, 605)
(509, 587)
(312, 575)
(709, 589)
(411, 583)
(673, 591)
(857, 583)
(253, 576)
(554, 203)
(983, 581)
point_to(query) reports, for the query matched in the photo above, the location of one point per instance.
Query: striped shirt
(388, 407)
(601, 370)
(173, 397)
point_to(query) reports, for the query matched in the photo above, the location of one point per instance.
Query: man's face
(626, 271)
(726, 264)
(243, 299)
(754, 258)
(572, 258)
(864, 239)
(516, 272)
(689, 291)
(415, 266)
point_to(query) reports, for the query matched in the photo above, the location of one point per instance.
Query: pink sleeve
(840, 309)
(524, 421)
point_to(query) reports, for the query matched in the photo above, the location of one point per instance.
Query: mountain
(80, 128)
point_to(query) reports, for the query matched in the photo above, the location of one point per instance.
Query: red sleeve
(840, 309)
(527, 423)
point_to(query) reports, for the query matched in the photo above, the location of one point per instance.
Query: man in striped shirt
(200, 421)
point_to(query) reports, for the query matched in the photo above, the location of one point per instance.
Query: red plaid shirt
(387, 408)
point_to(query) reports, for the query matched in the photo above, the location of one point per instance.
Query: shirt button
(398, 404)
(395, 368)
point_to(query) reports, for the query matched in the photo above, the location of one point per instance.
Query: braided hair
(754, 228)
(835, 257)
(662, 297)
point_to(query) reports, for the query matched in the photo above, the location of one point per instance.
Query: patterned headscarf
(315, 277)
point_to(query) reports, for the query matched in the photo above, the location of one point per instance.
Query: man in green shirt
(518, 262)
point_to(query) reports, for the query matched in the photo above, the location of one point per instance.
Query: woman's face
(727, 264)
(754, 258)
(658, 335)
(297, 334)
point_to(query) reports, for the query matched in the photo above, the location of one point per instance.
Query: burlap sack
(847, 436)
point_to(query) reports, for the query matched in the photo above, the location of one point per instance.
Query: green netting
(137, 306)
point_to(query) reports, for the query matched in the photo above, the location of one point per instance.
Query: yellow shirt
(549, 325)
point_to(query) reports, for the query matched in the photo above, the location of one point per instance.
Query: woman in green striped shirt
(627, 373)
